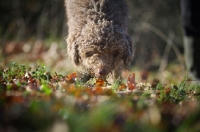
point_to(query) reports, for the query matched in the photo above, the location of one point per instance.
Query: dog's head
(99, 62)
(100, 48)
(99, 57)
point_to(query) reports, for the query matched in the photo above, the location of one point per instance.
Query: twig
(164, 59)
(169, 41)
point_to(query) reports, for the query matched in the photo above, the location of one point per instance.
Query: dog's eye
(89, 54)
(115, 54)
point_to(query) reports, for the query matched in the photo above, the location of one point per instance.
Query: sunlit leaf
(131, 84)
(100, 82)
(122, 87)
(71, 77)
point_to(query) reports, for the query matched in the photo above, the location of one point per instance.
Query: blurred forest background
(154, 25)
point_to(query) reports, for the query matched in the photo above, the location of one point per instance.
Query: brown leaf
(167, 90)
(71, 77)
(131, 82)
(100, 82)
(155, 82)
(98, 90)
(122, 87)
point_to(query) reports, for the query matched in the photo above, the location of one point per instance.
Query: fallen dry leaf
(131, 84)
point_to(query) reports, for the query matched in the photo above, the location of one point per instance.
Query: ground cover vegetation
(35, 99)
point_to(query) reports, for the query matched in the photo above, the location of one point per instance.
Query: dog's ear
(129, 53)
(76, 57)
(73, 52)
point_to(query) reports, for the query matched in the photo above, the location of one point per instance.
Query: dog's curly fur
(98, 42)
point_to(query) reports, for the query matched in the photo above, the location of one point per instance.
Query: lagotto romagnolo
(97, 41)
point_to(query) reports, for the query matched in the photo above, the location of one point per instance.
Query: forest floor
(40, 91)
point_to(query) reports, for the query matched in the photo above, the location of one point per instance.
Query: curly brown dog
(98, 42)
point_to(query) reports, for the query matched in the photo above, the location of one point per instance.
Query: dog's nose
(102, 72)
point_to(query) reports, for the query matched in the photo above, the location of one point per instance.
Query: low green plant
(29, 97)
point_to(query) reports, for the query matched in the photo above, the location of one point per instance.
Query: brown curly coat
(98, 42)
